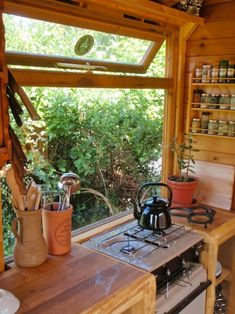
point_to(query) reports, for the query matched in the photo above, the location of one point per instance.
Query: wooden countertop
(82, 281)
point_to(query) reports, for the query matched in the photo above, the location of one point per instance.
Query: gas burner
(197, 214)
(127, 249)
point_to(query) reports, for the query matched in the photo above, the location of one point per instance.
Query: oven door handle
(188, 299)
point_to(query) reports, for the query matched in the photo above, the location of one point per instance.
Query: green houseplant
(183, 184)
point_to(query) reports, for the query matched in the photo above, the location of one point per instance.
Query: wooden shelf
(225, 275)
(214, 110)
(214, 135)
(215, 84)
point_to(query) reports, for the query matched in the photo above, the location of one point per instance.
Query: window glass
(61, 40)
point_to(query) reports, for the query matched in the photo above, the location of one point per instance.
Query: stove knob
(168, 272)
(196, 253)
(183, 262)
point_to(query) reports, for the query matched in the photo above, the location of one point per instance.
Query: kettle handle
(154, 184)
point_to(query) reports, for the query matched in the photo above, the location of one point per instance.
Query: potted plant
(183, 184)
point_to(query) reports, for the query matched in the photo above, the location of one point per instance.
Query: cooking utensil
(18, 199)
(154, 213)
(68, 180)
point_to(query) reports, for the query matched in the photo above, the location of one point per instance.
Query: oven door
(187, 295)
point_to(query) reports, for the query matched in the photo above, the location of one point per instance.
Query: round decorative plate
(84, 45)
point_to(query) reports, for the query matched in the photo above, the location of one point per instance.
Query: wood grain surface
(82, 281)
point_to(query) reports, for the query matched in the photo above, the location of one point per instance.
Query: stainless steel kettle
(154, 213)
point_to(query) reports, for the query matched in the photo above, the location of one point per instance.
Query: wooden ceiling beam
(152, 10)
(39, 60)
(88, 80)
(97, 18)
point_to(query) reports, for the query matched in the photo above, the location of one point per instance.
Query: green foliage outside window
(110, 138)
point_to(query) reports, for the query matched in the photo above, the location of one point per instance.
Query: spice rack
(219, 112)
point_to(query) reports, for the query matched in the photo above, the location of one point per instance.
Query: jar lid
(213, 121)
(231, 122)
(196, 119)
(222, 121)
(223, 63)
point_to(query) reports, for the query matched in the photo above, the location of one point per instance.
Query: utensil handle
(14, 228)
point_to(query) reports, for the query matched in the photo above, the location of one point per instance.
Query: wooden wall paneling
(219, 12)
(208, 47)
(87, 79)
(209, 44)
(224, 29)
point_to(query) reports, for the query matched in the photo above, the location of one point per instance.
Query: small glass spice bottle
(196, 124)
(214, 73)
(204, 122)
(197, 93)
(198, 73)
(223, 127)
(232, 102)
(230, 73)
(225, 101)
(212, 127)
(231, 128)
(206, 73)
(205, 100)
(214, 100)
(223, 66)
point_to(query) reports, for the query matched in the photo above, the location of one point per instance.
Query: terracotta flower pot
(183, 192)
(57, 229)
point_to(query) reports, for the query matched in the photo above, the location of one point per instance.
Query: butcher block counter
(82, 281)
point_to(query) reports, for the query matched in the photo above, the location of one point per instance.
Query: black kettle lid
(155, 201)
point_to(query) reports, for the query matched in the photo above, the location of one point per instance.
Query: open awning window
(44, 44)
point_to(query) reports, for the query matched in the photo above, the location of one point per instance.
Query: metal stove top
(144, 248)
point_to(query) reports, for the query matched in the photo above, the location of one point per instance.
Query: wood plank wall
(210, 43)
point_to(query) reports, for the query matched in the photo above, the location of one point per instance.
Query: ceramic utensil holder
(57, 228)
(30, 246)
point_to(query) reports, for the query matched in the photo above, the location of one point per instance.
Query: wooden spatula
(17, 198)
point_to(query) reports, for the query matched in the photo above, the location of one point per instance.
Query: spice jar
(232, 102)
(212, 127)
(225, 101)
(196, 123)
(231, 128)
(230, 73)
(214, 100)
(204, 122)
(198, 73)
(214, 73)
(223, 66)
(197, 98)
(223, 128)
(205, 99)
(206, 73)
